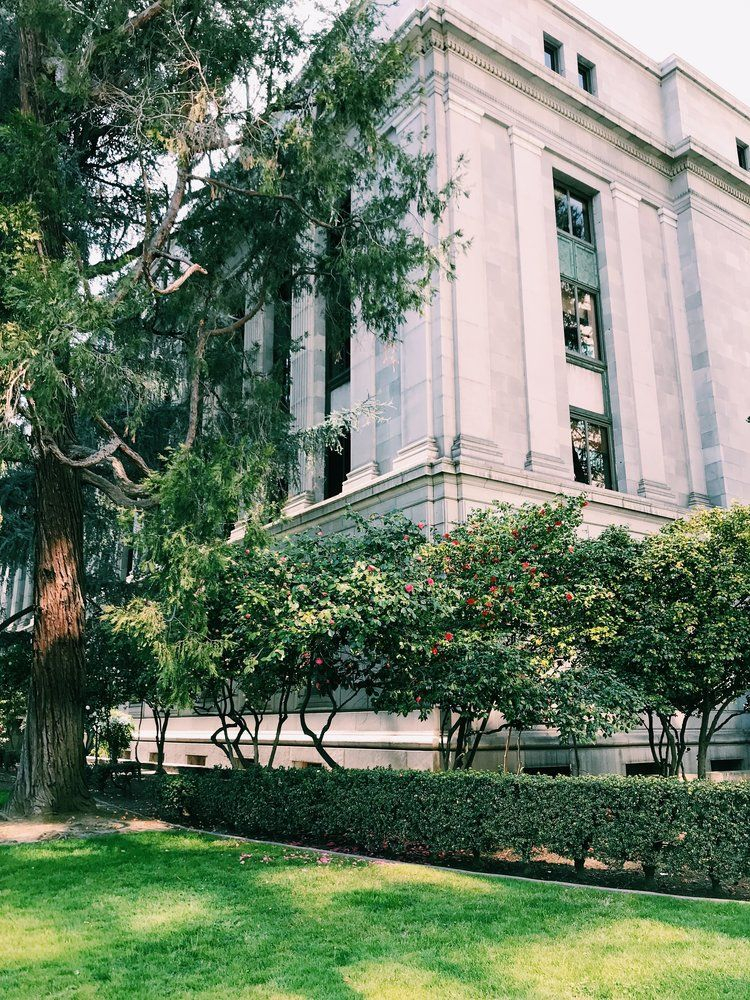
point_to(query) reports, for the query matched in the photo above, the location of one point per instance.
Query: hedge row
(668, 826)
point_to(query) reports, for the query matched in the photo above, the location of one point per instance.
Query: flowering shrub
(665, 825)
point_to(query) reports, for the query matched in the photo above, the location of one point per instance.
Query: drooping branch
(203, 338)
(16, 617)
(116, 493)
(143, 17)
(251, 193)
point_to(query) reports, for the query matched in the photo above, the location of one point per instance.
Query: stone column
(637, 328)
(474, 440)
(542, 333)
(698, 493)
(361, 389)
(307, 397)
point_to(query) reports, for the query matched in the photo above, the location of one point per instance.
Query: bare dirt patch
(30, 831)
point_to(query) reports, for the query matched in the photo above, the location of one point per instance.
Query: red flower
(448, 636)
(525, 565)
(430, 581)
(371, 569)
(409, 588)
(447, 535)
(471, 600)
(434, 651)
(493, 589)
(421, 524)
(568, 596)
(318, 661)
(558, 524)
(510, 590)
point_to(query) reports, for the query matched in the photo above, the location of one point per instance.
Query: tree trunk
(704, 742)
(51, 774)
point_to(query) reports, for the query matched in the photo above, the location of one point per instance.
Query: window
(592, 462)
(552, 54)
(743, 155)
(726, 764)
(586, 75)
(195, 759)
(573, 213)
(338, 329)
(642, 768)
(580, 320)
(553, 770)
(282, 343)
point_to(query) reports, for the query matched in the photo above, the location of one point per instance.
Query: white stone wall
(476, 396)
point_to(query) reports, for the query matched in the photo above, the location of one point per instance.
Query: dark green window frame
(577, 341)
(586, 78)
(592, 466)
(576, 222)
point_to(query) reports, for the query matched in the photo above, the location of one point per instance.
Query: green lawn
(170, 915)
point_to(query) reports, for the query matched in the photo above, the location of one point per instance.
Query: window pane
(570, 323)
(580, 461)
(579, 214)
(561, 210)
(587, 323)
(598, 456)
(548, 57)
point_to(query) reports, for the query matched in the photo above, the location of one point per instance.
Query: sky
(710, 34)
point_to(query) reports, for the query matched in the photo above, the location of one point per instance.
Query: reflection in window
(552, 55)
(580, 320)
(591, 453)
(585, 75)
(573, 214)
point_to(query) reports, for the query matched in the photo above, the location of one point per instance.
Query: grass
(173, 915)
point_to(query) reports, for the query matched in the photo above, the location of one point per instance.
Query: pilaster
(474, 432)
(635, 325)
(698, 492)
(542, 342)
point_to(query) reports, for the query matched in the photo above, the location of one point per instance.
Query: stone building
(597, 337)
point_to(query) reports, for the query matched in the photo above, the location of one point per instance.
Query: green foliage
(684, 629)
(504, 633)
(15, 677)
(666, 826)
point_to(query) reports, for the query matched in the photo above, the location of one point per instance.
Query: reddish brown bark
(51, 774)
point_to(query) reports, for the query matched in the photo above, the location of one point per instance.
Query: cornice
(667, 160)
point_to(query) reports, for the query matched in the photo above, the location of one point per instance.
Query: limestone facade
(652, 357)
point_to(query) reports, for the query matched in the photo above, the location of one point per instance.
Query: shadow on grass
(171, 915)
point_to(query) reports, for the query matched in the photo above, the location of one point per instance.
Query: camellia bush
(503, 651)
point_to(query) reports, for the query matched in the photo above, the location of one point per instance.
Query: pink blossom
(409, 588)
(430, 581)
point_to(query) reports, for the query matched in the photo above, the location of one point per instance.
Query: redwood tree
(165, 168)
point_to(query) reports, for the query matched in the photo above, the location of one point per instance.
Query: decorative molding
(525, 140)
(551, 465)
(655, 491)
(625, 195)
(359, 478)
(467, 448)
(667, 217)
(668, 160)
(299, 503)
(422, 452)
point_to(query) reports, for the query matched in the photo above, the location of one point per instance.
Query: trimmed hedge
(666, 825)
